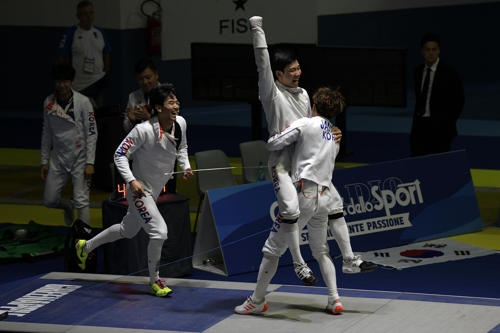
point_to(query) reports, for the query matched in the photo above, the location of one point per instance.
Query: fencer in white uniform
(312, 167)
(155, 145)
(283, 102)
(70, 131)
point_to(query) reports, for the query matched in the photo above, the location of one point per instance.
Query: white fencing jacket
(67, 137)
(315, 149)
(154, 153)
(282, 105)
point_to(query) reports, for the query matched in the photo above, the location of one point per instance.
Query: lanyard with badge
(89, 61)
(88, 65)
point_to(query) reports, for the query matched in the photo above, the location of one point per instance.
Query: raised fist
(255, 21)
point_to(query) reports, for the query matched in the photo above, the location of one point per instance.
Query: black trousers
(425, 139)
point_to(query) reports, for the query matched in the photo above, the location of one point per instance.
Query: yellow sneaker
(159, 288)
(81, 253)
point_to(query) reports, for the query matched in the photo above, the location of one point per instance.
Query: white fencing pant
(58, 176)
(314, 208)
(279, 168)
(142, 213)
(338, 226)
(279, 165)
(315, 204)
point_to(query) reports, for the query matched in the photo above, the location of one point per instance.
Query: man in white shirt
(138, 108)
(86, 48)
(439, 101)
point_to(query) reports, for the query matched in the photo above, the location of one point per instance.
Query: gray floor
(300, 309)
(294, 309)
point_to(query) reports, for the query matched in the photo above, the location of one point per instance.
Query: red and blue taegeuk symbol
(421, 253)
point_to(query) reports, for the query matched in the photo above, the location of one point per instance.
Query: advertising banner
(385, 205)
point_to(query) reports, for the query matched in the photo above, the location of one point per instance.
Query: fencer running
(155, 144)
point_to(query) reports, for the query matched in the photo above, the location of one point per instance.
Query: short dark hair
(83, 4)
(430, 37)
(329, 102)
(63, 72)
(142, 64)
(282, 58)
(158, 94)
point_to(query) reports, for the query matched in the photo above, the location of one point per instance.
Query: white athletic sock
(328, 272)
(108, 235)
(64, 205)
(292, 240)
(267, 269)
(332, 299)
(84, 214)
(154, 255)
(69, 213)
(338, 227)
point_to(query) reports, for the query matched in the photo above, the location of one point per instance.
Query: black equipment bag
(79, 230)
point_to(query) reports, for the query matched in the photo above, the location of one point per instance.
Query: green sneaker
(159, 288)
(81, 253)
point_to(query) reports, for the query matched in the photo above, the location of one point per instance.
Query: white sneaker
(335, 308)
(69, 214)
(250, 307)
(255, 21)
(305, 274)
(356, 265)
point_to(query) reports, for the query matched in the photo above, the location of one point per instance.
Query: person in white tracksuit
(69, 129)
(312, 167)
(155, 144)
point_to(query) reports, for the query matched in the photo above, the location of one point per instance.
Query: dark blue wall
(470, 35)
(26, 67)
(132, 47)
(32, 53)
(27, 59)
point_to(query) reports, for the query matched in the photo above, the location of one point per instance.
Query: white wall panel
(221, 21)
(335, 7)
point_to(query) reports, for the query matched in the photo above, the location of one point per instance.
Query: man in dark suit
(439, 98)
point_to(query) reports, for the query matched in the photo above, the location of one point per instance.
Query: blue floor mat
(107, 305)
